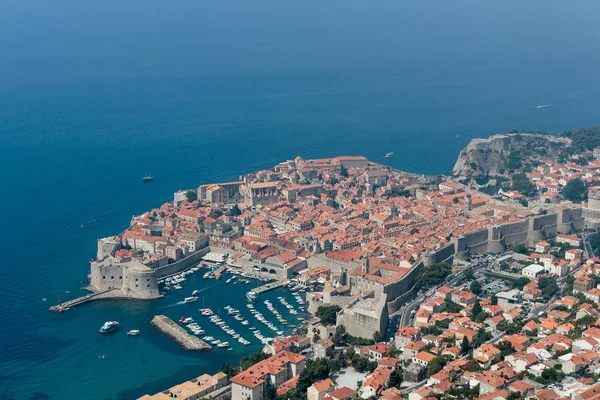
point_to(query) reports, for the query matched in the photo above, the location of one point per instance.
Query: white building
(533, 271)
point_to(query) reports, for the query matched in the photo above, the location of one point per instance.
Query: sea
(94, 95)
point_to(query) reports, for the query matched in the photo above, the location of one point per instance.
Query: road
(586, 244)
(406, 309)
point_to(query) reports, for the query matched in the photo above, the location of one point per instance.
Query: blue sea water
(93, 95)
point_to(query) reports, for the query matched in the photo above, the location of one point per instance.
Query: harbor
(188, 342)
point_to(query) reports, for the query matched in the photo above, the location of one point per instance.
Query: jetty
(268, 286)
(67, 305)
(168, 327)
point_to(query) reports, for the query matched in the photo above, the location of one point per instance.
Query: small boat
(109, 326)
(223, 344)
(190, 299)
(133, 332)
(251, 296)
(195, 292)
(389, 155)
(147, 178)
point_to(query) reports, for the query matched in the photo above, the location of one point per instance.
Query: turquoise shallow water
(93, 96)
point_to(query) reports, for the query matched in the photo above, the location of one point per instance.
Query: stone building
(251, 383)
(262, 193)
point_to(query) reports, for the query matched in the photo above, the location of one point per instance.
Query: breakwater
(66, 306)
(168, 327)
(268, 286)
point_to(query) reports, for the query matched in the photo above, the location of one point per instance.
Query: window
(103, 277)
(112, 277)
(148, 285)
(121, 277)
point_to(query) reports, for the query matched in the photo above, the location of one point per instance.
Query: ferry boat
(191, 299)
(389, 155)
(109, 326)
(147, 178)
(133, 332)
(251, 296)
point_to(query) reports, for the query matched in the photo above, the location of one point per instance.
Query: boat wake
(183, 302)
(544, 105)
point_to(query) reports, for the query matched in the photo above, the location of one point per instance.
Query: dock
(188, 342)
(268, 286)
(67, 305)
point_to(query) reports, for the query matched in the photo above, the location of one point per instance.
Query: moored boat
(133, 332)
(109, 326)
(251, 296)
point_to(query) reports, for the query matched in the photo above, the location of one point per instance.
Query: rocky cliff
(483, 157)
(506, 154)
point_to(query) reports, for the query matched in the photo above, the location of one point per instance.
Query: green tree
(505, 348)
(476, 309)
(548, 286)
(432, 275)
(270, 392)
(343, 172)
(254, 358)
(575, 190)
(465, 346)
(229, 370)
(328, 313)
(315, 370)
(520, 283)
(339, 337)
(191, 195)
(435, 365)
(522, 248)
(476, 288)
(396, 378)
(494, 300)
(235, 211)
(522, 183)
(376, 336)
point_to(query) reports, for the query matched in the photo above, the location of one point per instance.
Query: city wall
(493, 239)
(497, 238)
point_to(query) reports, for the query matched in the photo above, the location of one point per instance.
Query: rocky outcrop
(483, 157)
